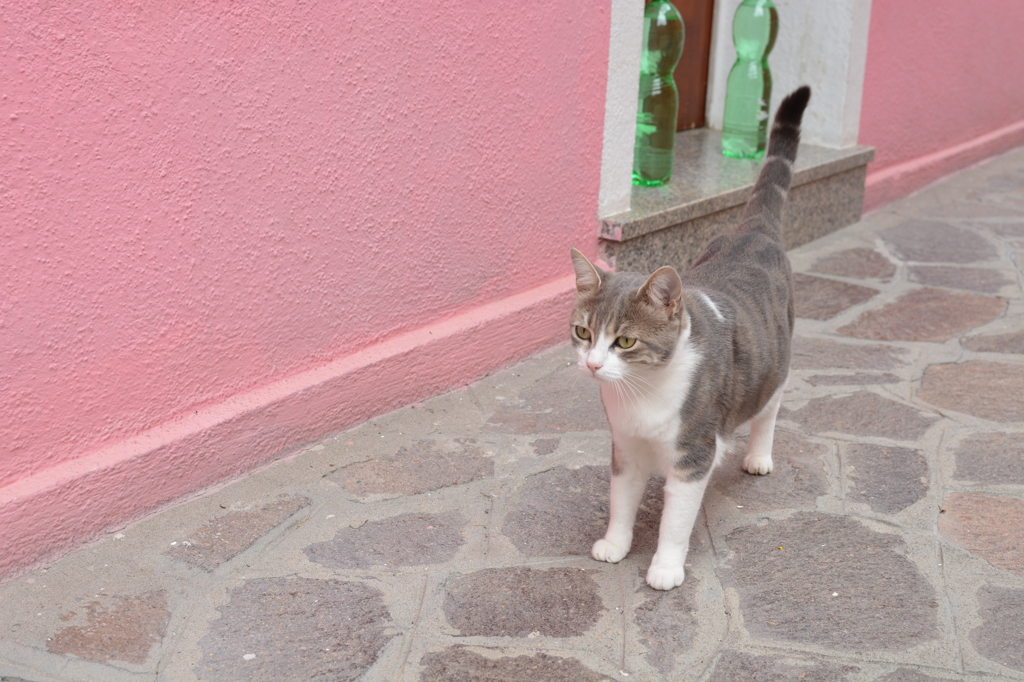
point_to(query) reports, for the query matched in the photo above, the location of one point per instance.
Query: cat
(683, 361)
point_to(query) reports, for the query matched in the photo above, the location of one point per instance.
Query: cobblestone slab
(796, 482)
(214, 543)
(889, 479)
(994, 458)
(987, 526)
(810, 353)
(738, 665)
(405, 540)
(296, 629)
(417, 469)
(858, 263)
(563, 511)
(972, 279)
(515, 602)
(990, 390)
(818, 298)
(667, 625)
(862, 414)
(926, 315)
(829, 581)
(458, 664)
(997, 343)
(932, 241)
(118, 628)
(1000, 636)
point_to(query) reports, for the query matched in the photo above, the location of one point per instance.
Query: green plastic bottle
(659, 102)
(748, 92)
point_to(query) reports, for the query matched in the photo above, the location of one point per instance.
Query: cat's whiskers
(644, 380)
(621, 390)
(632, 388)
(627, 391)
(649, 392)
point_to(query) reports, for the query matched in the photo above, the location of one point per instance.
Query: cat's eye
(582, 332)
(625, 342)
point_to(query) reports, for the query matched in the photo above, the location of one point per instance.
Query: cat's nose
(594, 366)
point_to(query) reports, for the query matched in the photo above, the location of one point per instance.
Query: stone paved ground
(449, 540)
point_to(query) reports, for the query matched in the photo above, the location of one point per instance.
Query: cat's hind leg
(630, 472)
(762, 433)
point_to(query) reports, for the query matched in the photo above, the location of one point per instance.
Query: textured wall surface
(200, 199)
(943, 88)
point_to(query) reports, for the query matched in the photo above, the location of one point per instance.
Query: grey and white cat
(683, 361)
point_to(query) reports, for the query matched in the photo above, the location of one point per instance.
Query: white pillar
(624, 49)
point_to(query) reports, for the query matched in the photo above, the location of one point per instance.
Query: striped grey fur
(713, 343)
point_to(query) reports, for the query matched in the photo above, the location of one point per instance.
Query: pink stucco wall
(202, 201)
(943, 88)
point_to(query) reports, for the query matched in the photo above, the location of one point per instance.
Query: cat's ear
(664, 290)
(588, 277)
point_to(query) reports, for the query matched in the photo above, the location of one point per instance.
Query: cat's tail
(764, 208)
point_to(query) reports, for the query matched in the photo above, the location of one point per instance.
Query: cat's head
(624, 324)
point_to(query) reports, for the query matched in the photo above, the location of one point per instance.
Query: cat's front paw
(608, 551)
(665, 576)
(759, 466)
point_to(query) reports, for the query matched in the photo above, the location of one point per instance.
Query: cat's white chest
(650, 408)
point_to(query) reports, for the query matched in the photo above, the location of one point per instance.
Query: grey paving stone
(818, 298)
(296, 629)
(1011, 342)
(562, 512)
(859, 263)
(925, 315)
(405, 540)
(887, 478)
(858, 379)
(827, 354)
(564, 401)
(545, 446)
(986, 526)
(1000, 637)
(459, 664)
(834, 583)
(1007, 182)
(513, 602)
(990, 390)
(861, 414)
(932, 241)
(908, 675)
(1008, 229)
(995, 458)
(222, 538)
(417, 469)
(971, 210)
(733, 666)
(666, 622)
(952, 277)
(797, 480)
(121, 628)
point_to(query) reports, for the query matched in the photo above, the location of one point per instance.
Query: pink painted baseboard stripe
(60, 508)
(896, 181)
